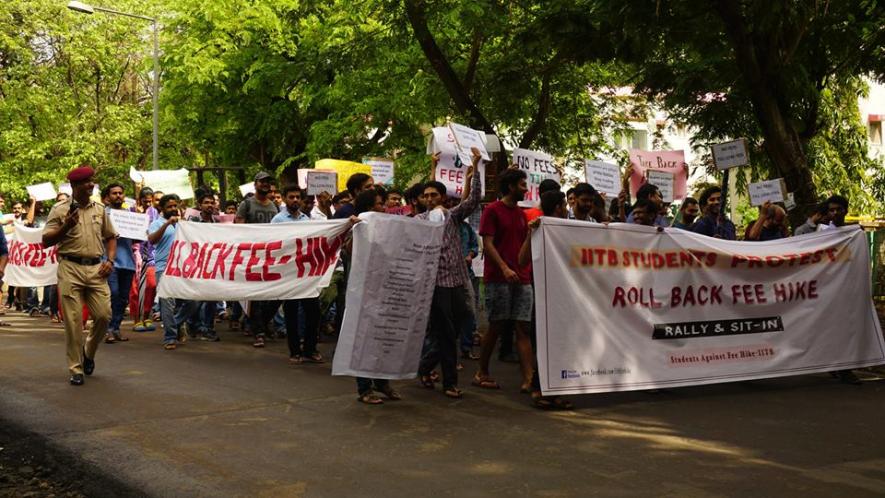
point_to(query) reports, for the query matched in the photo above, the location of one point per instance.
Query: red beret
(81, 174)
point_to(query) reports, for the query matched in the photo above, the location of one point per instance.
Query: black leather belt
(81, 261)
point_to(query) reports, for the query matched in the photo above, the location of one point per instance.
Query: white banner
(450, 172)
(168, 181)
(539, 166)
(30, 264)
(130, 225)
(622, 307)
(257, 262)
(388, 296)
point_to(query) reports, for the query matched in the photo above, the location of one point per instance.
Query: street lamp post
(91, 9)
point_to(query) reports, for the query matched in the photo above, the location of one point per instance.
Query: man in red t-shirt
(508, 288)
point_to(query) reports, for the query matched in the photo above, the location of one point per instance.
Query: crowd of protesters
(502, 231)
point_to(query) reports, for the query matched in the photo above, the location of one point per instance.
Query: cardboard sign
(168, 181)
(771, 190)
(382, 170)
(731, 154)
(539, 167)
(65, 188)
(42, 191)
(247, 188)
(130, 225)
(672, 161)
(458, 139)
(664, 181)
(344, 169)
(604, 177)
(321, 181)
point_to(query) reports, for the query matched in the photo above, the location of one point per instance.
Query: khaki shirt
(86, 238)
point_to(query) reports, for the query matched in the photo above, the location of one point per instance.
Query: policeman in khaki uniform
(83, 232)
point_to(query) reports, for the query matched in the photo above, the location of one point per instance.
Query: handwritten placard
(382, 170)
(664, 181)
(538, 166)
(605, 177)
(671, 161)
(130, 225)
(731, 154)
(321, 181)
(769, 190)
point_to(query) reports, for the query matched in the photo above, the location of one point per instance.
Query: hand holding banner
(388, 296)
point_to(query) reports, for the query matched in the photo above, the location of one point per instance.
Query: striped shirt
(452, 270)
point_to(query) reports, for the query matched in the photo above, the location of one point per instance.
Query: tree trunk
(782, 142)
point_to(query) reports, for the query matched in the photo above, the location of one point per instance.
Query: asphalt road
(224, 419)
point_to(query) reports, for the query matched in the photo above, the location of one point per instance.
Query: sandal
(120, 338)
(315, 357)
(55, 319)
(426, 382)
(484, 382)
(296, 360)
(434, 376)
(109, 339)
(259, 342)
(169, 347)
(550, 402)
(370, 398)
(453, 392)
(391, 394)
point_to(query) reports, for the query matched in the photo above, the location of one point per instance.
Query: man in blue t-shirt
(120, 279)
(161, 234)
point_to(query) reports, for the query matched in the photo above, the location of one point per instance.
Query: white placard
(168, 181)
(42, 191)
(604, 177)
(389, 291)
(731, 154)
(466, 138)
(664, 181)
(246, 189)
(130, 225)
(450, 171)
(790, 201)
(65, 188)
(676, 308)
(382, 170)
(321, 181)
(769, 190)
(538, 166)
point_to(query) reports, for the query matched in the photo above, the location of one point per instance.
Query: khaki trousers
(78, 284)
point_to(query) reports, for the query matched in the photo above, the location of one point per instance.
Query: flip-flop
(454, 392)
(370, 398)
(485, 382)
(551, 403)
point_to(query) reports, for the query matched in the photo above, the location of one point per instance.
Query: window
(875, 133)
(640, 139)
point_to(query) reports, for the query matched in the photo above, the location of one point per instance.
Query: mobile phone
(74, 206)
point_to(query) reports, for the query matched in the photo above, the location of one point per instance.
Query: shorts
(509, 302)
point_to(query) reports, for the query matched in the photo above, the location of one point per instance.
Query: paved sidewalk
(224, 419)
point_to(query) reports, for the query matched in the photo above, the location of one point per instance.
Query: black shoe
(848, 377)
(88, 365)
(77, 380)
